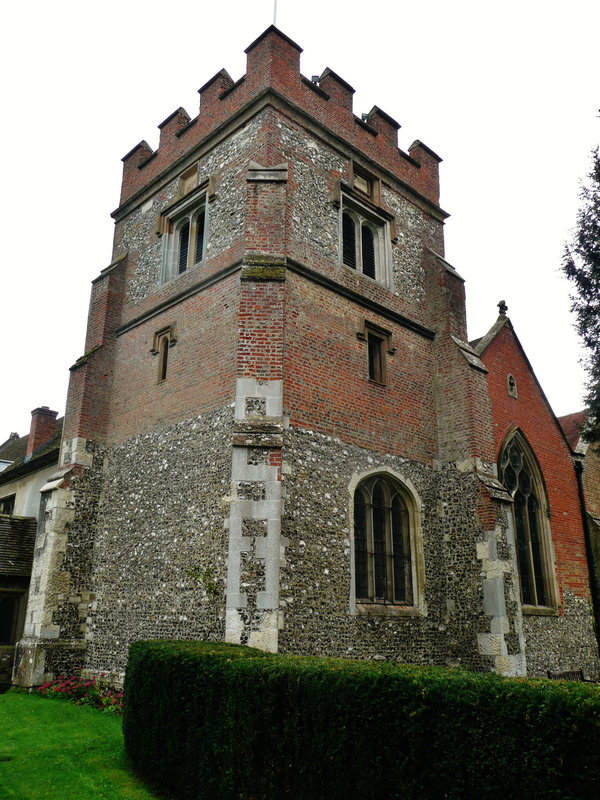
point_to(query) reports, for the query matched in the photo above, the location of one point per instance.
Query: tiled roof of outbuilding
(15, 450)
(572, 425)
(17, 542)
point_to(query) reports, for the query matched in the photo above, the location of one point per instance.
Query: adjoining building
(279, 434)
(25, 464)
(587, 463)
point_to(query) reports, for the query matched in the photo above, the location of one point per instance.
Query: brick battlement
(273, 65)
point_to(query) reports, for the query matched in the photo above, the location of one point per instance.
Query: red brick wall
(532, 415)
(462, 401)
(326, 386)
(265, 229)
(90, 383)
(201, 365)
(260, 330)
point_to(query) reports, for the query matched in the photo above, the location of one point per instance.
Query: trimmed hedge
(225, 722)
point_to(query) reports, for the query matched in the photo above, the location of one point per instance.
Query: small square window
(7, 504)
(379, 342)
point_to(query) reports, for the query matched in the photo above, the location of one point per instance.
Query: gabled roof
(481, 345)
(15, 450)
(17, 542)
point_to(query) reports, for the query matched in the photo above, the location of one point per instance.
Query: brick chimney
(43, 428)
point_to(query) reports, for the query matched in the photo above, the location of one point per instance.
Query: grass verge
(53, 750)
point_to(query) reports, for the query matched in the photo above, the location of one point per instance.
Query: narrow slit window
(163, 340)
(163, 359)
(375, 345)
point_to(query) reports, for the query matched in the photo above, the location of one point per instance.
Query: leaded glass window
(382, 549)
(363, 242)
(185, 231)
(521, 478)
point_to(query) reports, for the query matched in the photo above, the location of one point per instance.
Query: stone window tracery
(184, 231)
(520, 475)
(363, 241)
(383, 559)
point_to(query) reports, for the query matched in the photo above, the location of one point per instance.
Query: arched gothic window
(383, 559)
(522, 478)
(363, 246)
(185, 232)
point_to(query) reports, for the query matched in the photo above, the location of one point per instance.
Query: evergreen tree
(581, 264)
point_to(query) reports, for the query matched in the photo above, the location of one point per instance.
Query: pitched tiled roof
(15, 450)
(17, 541)
(572, 425)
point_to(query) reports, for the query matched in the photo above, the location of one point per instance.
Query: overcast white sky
(506, 93)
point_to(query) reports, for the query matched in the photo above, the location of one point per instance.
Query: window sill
(177, 275)
(540, 611)
(387, 610)
(355, 271)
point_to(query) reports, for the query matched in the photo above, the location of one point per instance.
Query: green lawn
(54, 750)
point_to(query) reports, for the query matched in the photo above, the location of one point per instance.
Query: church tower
(278, 434)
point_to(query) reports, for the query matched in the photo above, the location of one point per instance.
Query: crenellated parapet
(273, 76)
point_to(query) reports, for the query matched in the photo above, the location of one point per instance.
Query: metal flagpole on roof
(275, 12)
